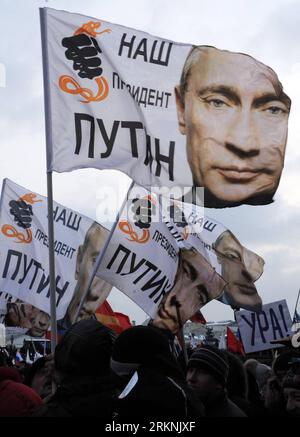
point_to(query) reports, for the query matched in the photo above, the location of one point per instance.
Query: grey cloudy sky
(268, 30)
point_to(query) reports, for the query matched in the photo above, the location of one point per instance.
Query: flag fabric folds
(118, 322)
(115, 99)
(24, 283)
(148, 255)
(156, 240)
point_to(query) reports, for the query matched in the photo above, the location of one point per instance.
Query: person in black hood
(39, 376)
(237, 386)
(82, 372)
(150, 380)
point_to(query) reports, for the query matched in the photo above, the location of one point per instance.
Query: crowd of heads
(140, 373)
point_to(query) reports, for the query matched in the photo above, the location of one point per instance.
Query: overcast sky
(269, 30)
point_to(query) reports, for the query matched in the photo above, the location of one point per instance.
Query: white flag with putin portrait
(239, 266)
(171, 260)
(24, 261)
(165, 113)
(146, 260)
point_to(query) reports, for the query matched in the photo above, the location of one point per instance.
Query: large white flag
(24, 266)
(141, 258)
(165, 113)
(169, 257)
(239, 266)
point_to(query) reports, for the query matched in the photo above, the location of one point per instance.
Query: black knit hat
(212, 361)
(85, 349)
(146, 346)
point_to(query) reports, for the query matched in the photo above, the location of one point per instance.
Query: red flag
(124, 320)
(118, 322)
(233, 344)
(198, 318)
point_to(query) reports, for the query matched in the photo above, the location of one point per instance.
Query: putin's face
(235, 118)
(99, 290)
(196, 284)
(240, 268)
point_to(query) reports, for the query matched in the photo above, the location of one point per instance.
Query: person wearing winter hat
(237, 383)
(155, 388)
(82, 371)
(207, 376)
(261, 372)
(147, 346)
(16, 399)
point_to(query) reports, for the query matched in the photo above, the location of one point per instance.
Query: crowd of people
(139, 374)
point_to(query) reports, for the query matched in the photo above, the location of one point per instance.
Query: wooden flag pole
(51, 264)
(43, 21)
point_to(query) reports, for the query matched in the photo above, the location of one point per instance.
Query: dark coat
(82, 360)
(86, 397)
(223, 407)
(157, 396)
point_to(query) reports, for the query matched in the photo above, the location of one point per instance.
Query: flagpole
(175, 302)
(51, 264)
(296, 306)
(43, 20)
(101, 254)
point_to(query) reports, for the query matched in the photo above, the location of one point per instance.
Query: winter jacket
(85, 397)
(153, 395)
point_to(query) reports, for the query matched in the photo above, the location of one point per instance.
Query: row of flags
(154, 262)
(156, 253)
(114, 99)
